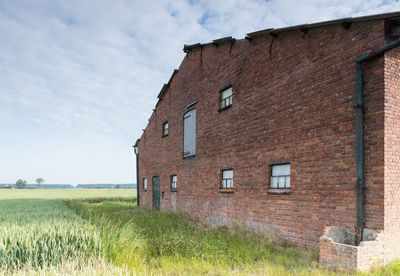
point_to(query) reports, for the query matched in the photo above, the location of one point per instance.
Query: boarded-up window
(189, 133)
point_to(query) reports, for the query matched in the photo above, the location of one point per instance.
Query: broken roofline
(346, 22)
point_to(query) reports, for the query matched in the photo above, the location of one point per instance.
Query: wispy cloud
(96, 66)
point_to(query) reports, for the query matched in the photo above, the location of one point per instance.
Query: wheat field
(40, 235)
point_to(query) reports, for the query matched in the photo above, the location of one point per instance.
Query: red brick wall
(392, 152)
(296, 104)
(344, 257)
(373, 83)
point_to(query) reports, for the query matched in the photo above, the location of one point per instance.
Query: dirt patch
(96, 204)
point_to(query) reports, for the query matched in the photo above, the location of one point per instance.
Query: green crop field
(65, 193)
(101, 232)
(39, 234)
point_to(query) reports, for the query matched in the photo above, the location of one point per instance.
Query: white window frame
(225, 102)
(144, 184)
(279, 179)
(165, 129)
(174, 182)
(227, 182)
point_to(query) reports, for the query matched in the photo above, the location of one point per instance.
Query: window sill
(145, 190)
(224, 108)
(164, 135)
(226, 191)
(173, 190)
(189, 156)
(279, 191)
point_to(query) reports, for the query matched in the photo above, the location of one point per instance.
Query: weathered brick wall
(295, 104)
(345, 257)
(373, 92)
(336, 255)
(392, 153)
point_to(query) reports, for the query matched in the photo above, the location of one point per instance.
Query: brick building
(267, 132)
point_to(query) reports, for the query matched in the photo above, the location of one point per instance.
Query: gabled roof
(345, 22)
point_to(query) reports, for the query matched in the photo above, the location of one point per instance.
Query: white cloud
(96, 66)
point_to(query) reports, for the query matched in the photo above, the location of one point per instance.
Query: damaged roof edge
(137, 143)
(163, 89)
(325, 23)
(172, 76)
(345, 21)
(188, 48)
(166, 85)
(220, 41)
(216, 42)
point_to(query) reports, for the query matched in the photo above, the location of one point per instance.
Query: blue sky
(79, 78)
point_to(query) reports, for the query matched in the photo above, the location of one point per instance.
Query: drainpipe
(137, 175)
(359, 125)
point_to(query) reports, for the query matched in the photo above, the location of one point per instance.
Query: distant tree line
(23, 184)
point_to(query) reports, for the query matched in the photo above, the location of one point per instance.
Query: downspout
(359, 126)
(137, 175)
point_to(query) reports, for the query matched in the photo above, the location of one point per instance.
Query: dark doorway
(156, 192)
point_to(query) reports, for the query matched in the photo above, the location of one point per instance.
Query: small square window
(280, 176)
(227, 179)
(144, 183)
(226, 98)
(165, 129)
(174, 180)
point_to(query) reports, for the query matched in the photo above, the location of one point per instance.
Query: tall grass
(44, 235)
(90, 267)
(158, 243)
(106, 236)
(152, 242)
(128, 199)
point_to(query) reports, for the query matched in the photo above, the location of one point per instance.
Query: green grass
(39, 233)
(152, 242)
(172, 243)
(86, 232)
